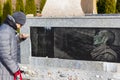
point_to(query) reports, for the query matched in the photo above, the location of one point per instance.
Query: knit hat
(19, 17)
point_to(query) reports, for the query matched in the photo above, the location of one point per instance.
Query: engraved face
(101, 37)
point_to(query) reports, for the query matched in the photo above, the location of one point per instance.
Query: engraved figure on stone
(103, 41)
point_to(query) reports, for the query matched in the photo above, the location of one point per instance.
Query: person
(9, 68)
(103, 52)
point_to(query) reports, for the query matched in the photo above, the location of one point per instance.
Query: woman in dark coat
(9, 68)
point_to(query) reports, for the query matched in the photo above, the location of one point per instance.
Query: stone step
(74, 64)
(62, 69)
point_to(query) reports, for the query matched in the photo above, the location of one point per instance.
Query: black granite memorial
(70, 42)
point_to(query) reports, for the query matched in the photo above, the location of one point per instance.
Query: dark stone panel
(42, 42)
(76, 42)
(68, 42)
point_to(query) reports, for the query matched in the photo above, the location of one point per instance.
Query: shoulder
(4, 28)
(6, 31)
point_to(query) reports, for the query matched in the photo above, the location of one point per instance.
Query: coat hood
(11, 22)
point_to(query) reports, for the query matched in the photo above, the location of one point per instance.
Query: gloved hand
(16, 74)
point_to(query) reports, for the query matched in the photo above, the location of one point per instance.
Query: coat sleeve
(5, 53)
(18, 38)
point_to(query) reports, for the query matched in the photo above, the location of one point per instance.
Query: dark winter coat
(8, 49)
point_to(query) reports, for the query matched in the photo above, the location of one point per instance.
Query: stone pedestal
(89, 6)
(62, 8)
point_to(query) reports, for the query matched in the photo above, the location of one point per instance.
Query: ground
(54, 73)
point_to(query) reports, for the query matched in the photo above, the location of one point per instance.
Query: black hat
(19, 17)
